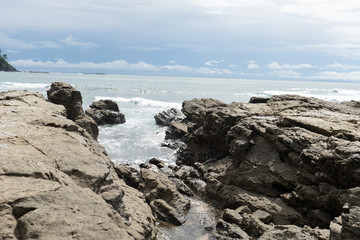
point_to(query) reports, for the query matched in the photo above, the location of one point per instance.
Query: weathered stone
(166, 212)
(66, 95)
(164, 118)
(57, 182)
(157, 162)
(105, 112)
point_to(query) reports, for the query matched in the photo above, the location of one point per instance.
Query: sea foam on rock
(292, 161)
(56, 180)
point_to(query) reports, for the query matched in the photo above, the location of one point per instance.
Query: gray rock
(57, 182)
(164, 118)
(66, 95)
(105, 112)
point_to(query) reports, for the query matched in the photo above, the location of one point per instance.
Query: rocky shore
(287, 167)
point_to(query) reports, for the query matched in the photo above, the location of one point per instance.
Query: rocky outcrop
(105, 112)
(66, 95)
(164, 118)
(293, 158)
(56, 181)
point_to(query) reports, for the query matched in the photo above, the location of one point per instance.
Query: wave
(143, 102)
(335, 95)
(16, 85)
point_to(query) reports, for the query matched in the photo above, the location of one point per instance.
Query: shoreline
(254, 158)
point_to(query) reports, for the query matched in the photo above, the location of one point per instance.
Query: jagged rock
(166, 213)
(159, 186)
(292, 232)
(130, 175)
(66, 95)
(164, 118)
(230, 231)
(57, 182)
(258, 100)
(105, 112)
(176, 130)
(288, 152)
(157, 162)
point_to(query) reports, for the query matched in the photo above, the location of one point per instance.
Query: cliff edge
(56, 180)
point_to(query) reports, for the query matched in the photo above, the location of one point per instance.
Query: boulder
(157, 186)
(164, 118)
(105, 112)
(66, 95)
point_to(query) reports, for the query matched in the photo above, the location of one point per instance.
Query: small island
(4, 65)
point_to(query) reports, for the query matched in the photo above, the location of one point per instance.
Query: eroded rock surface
(292, 161)
(56, 181)
(105, 112)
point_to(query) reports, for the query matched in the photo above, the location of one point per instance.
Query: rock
(157, 186)
(56, 181)
(176, 130)
(294, 158)
(164, 118)
(66, 95)
(157, 162)
(258, 100)
(187, 171)
(294, 233)
(231, 230)
(166, 212)
(182, 187)
(105, 112)
(129, 174)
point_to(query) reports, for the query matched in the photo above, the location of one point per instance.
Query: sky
(262, 39)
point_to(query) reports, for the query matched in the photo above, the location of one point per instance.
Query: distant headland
(4, 65)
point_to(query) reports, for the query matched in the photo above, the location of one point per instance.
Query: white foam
(143, 102)
(16, 85)
(335, 95)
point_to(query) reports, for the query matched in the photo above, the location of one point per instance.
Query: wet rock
(157, 162)
(166, 213)
(129, 174)
(66, 95)
(230, 230)
(164, 118)
(182, 187)
(258, 100)
(294, 233)
(105, 112)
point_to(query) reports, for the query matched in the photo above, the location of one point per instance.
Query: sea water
(141, 97)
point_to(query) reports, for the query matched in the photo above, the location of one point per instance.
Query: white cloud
(115, 66)
(333, 75)
(18, 44)
(285, 74)
(253, 65)
(343, 66)
(70, 41)
(276, 65)
(213, 63)
(172, 62)
(60, 65)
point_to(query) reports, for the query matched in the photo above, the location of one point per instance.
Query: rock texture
(291, 161)
(66, 95)
(56, 181)
(105, 112)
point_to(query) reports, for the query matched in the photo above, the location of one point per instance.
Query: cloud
(253, 65)
(343, 66)
(116, 66)
(11, 43)
(276, 65)
(213, 63)
(333, 75)
(285, 74)
(70, 41)
(61, 65)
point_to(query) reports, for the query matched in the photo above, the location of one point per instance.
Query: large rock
(164, 198)
(292, 157)
(105, 112)
(66, 95)
(164, 118)
(57, 182)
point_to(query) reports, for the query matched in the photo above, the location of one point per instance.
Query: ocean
(141, 97)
